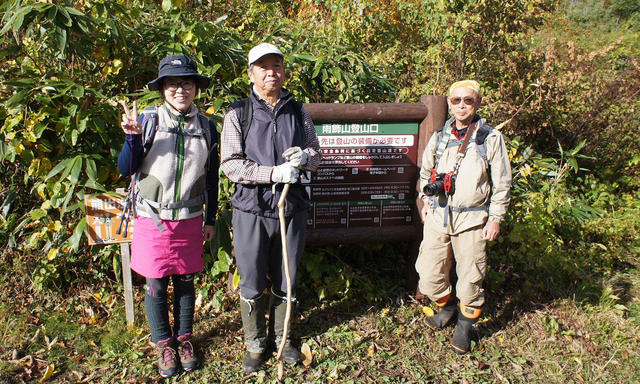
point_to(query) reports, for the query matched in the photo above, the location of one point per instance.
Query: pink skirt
(176, 251)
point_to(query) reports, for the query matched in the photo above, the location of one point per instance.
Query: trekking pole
(126, 223)
(126, 211)
(124, 219)
(285, 259)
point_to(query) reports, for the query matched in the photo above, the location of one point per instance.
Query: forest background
(561, 77)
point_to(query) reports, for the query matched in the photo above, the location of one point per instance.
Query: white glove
(285, 173)
(296, 156)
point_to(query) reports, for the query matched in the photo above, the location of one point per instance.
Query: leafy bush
(60, 121)
(610, 13)
(59, 117)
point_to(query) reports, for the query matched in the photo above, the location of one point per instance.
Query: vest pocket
(150, 188)
(197, 189)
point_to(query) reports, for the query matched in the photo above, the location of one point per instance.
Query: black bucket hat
(178, 66)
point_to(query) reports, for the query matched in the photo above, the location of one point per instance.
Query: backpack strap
(443, 140)
(246, 117)
(297, 106)
(149, 127)
(206, 127)
(481, 137)
(212, 144)
(244, 113)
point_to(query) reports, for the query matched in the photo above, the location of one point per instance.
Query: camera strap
(442, 146)
(462, 150)
(450, 178)
(443, 143)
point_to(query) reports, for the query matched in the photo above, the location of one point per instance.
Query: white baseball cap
(262, 50)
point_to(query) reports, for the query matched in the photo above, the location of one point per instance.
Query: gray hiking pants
(258, 251)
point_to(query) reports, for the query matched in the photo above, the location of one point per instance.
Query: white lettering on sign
(355, 128)
(366, 140)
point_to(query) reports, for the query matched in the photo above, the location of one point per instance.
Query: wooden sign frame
(431, 115)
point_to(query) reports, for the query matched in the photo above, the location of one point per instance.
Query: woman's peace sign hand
(130, 124)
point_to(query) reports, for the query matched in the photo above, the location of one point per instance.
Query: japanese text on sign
(103, 220)
(366, 177)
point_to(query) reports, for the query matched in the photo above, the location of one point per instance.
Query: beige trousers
(437, 253)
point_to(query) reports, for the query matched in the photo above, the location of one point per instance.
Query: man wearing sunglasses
(465, 183)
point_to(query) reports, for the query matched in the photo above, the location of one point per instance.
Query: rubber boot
(255, 331)
(277, 313)
(447, 308)
(461, 340)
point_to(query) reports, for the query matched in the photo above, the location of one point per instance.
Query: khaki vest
(171, 179)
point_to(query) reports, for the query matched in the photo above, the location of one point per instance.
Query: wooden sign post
(103, 221)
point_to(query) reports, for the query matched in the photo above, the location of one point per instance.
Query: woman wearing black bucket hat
(169, 152)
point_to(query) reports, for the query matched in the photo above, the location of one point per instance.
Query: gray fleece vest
(270, 134)
(171, 179)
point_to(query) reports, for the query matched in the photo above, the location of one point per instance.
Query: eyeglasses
(173, 86)
(467, 100)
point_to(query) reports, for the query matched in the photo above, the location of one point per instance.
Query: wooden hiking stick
(285, 259)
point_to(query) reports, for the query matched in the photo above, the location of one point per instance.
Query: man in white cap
(465, 183)
(267, 139)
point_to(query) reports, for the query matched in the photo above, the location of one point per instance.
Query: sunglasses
(173, 86)
(467, 100)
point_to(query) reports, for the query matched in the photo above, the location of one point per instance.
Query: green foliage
(59, 117)
(611, 13)
(59, 121)
(560, 226)
(328, 273)
(558, 74)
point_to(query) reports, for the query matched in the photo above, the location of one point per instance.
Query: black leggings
(156, 306)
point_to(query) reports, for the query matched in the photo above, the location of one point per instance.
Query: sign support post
(103, 221)
(125, 254)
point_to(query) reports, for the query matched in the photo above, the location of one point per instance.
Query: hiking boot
(186, 353)
(440, 320)
(255, 331)
(167, 361)
(461, 340)
(277, 313)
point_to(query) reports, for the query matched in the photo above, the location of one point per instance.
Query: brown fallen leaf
(308, 356)
(357, 373)
(76, 358)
